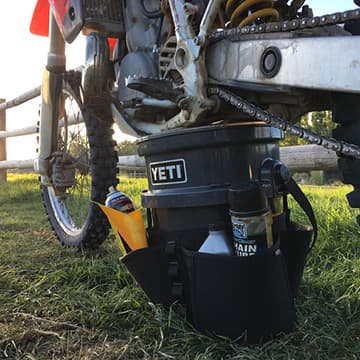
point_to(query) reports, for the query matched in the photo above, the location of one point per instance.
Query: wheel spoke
(72, 207)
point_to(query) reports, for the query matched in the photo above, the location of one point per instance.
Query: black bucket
(190, 171)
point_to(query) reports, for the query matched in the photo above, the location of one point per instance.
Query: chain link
(285, 26)
(257, 113)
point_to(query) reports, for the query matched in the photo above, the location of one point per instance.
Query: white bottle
(217, 241)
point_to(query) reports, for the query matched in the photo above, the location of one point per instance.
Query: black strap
(294, 189)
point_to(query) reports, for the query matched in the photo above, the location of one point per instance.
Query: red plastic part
(112, 43)
(40, 19)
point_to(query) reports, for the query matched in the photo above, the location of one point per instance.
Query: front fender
(39, 24)
(68, 15)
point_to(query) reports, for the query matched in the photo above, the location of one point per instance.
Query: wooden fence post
(3, 172)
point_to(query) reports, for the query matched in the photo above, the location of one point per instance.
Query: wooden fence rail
(298, 158)
(29, 95)
(3, 174)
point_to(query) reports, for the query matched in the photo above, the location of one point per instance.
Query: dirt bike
(155, 66)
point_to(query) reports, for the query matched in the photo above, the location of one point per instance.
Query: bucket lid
(207, 136)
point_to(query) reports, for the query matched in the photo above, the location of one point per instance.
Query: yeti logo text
(168, 172)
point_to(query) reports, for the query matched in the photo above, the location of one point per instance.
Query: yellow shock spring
(245, 12)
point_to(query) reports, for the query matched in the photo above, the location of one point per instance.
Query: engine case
(140, 63)
(142, 31)
(143, 35)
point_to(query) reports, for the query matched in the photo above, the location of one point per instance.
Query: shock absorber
(246, 12)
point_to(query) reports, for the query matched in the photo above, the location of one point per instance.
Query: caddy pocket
(239, 296)
(149, 267)
(157, 268)
(295, 245)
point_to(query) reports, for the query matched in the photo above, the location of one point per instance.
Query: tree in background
(319, 122)
(126, 148)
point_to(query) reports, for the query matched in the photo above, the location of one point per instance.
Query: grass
(58, 303)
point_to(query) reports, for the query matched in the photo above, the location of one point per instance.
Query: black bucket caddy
(190, 173)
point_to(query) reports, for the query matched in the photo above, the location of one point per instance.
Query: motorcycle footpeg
(161, 89)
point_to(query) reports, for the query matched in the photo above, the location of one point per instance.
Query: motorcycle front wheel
(83, 168)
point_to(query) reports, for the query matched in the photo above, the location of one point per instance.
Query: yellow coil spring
(245, 12)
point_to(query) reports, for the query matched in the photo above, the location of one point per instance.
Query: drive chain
(235, 34)
(255, 112)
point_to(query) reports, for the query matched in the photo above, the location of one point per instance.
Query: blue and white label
(168, 172)
(239, 229)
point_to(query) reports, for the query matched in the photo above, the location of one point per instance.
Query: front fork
(51, 101)
(95, 80)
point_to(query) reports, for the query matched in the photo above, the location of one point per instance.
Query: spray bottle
(251, 220)
(119, 201)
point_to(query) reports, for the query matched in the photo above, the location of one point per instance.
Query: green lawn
(60, 303)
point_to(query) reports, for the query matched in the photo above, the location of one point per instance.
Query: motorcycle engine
(146, 30)
(149, 42)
